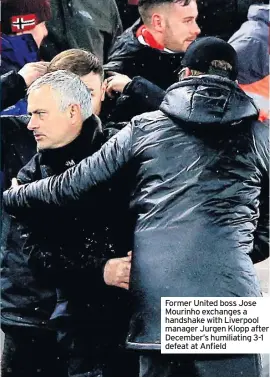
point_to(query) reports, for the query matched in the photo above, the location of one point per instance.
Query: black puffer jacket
(13, 88)
(200, 198)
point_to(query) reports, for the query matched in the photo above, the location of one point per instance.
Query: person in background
(198, 166)
(88, 67)
(251, 43)
(128, 10)
(158, 43)
(90, 25)
(155, 44)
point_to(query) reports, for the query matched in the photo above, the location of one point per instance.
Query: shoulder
(126, 44)
(261, 127)
(151, 121)
(149, 117)
(31, 171)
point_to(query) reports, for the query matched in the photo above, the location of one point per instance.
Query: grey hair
(70, 88)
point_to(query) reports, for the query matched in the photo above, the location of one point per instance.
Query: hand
(116, 83)
(32, 71)
(117, 271)
(14, 183)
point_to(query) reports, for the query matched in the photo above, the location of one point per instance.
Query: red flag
(23, 22)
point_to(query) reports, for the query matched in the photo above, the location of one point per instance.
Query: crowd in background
(65, 270)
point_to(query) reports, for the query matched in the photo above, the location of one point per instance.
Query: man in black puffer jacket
(200, 199)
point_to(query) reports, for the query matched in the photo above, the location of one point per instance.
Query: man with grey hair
(58, 99)
(64, 247)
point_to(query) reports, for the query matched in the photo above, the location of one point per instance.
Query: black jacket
(17, 146)
(82, 24)
(152, 71)
(69, 247)
(24, 302)
(200, 197)
(139, 96)
(130, 57)
(13, 88)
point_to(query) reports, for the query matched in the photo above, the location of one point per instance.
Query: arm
(140, 90)
(13, 88)
(69, 268)
(63, 266)
(137, 96)
(30, 172)
(14, 84)
(147, 93)
(77, 181)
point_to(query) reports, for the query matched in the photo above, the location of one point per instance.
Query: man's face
(96, 86)
(180, 26)
(52, 128)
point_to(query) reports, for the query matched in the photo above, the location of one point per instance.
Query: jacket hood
(259, 13)
(208, 100)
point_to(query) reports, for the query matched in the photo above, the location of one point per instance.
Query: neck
(156, 35)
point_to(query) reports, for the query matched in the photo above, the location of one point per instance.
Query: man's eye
(41, 115)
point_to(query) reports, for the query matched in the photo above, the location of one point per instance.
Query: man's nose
(197, 30)
(33, 124)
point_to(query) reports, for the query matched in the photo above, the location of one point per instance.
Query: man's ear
(74, 111)
(158, 22)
